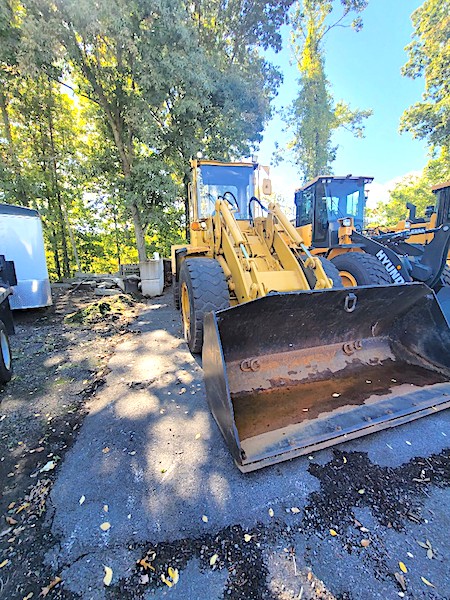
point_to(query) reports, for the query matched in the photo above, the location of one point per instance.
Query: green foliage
(417, 190)
(314, 116)
(102, 105)
(429, 57)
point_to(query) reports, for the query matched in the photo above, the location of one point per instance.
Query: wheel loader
(330, 218)
(294, 361)
(421, 229)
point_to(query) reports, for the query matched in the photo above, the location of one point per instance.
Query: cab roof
(329, 178)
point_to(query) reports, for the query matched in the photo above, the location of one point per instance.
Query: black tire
(364, 268)
(203, 280)
(445, 277)
(176, 292)
(5, 356)
(332, 272)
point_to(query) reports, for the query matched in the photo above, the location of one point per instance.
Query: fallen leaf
(365, 543)
(144, 563)
(173, 573)
(50, 586)
(166, 581)
(344, 460)
(402, 567)
(295, 510)
(12, 505)
(105, 451)
(335, 395)
(108, 575)
(430, 553)
(105, 526)
(426, 582)
(422, 545)
(361, 491)
(363, 529)
(144, 578)
(197, 436)
(271, 513)
(22, 507)
(82, 499)
(105, 507)
(48, 466)
(409, 443)
(28, 596)
(410, 555)
(247, 537)
(400, 580)
(10, 520)
(205, 519)
(213, 559)
(333, 532)
(174, 577)
(4, 563)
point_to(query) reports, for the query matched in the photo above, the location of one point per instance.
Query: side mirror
(267, 187)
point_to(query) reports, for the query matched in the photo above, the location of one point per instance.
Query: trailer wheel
(445, 277)
(203, 289)
(359, 268)
(5, 355)
(332, 272)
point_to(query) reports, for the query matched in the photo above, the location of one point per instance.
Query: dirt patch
(58, 362)
(392, 494)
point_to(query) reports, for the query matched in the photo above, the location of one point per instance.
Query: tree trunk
(139, 233)
(21, 193)
(54, 243)
(56, 193)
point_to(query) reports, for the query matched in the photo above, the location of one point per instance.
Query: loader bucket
(295, 372)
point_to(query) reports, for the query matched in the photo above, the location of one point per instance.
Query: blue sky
(364, 70)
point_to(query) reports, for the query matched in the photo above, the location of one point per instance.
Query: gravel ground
(147, 494)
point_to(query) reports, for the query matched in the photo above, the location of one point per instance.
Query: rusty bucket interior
(292, 373)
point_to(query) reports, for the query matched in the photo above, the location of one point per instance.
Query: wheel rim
(185, 310)
(5, 350)
(348, 279)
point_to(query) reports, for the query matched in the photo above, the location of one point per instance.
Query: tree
(167, 76)
(416, 189)
(314, 115)
(429, 57)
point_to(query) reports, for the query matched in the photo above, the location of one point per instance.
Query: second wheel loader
(293, 361)
(330, 218)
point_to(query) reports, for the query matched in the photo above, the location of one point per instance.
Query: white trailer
(22, 241)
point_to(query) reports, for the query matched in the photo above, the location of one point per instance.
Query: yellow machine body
(291, 363)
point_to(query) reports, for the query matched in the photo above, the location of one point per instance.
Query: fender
(395, 267)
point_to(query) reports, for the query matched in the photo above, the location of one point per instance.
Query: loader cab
(212, 180)
(325, 200)
(442, 209)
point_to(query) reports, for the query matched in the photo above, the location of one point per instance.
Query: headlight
(346, 222)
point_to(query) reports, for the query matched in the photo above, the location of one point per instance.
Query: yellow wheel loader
(330, 214)
(421, 230)
(291, 363)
